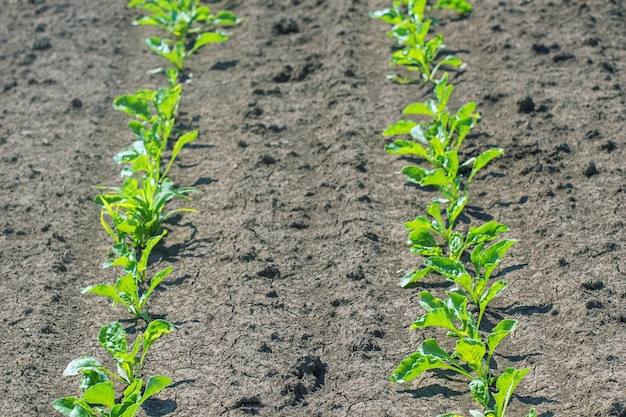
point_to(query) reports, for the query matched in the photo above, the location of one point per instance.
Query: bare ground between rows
(284, 291)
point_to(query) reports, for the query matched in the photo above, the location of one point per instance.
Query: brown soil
(284, 288)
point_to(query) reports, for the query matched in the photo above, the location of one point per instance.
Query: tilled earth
(284, 290)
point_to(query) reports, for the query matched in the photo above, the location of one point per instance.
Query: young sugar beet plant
(435, 236)
(99, 396)
(411, 29)
(191, 26)
(137, 207)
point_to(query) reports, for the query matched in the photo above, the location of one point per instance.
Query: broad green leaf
(82, 410)
(423, 177)
(485, 233)
(81, 364)
(419, 108)
(209, 37)
(166, 101)
(430, 347)
(410, 279)
(456, 207)
(450, 269)
(418, 7)
(438, 317)
(392, 16)
(472, 352)
(65, 405)
(402, 127)
(414, 366)
(155, 385)
(133, 105)
(155, 330)
(483, 159)
(112, 338)
(450, 60)
(506, 384)
(491, 293)
(136, 127)
(423, 243)
(480, 392)
(459, 6)
(419, 134)
(91, 378)
(434, 210)
(225, 17)
(456, 246)
(499, 332)
(406, 147)
(492, 256)
(101, 394)
(103, 290)
(429, 302)
(451, 163)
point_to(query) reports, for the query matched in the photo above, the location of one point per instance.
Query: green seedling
(438, 142)
(182, 18)
(154, 115)
(472, 354)
(129, 289)
(137, 208)
(410, 30)
(98, 382)
(505, 386)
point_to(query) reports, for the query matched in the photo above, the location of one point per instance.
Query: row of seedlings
(467, 258)
(133, 213)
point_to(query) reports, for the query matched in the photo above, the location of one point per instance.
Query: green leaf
(209, 37)
(82, 410)
(103, 290)
(81, 364)
(65, 405)
(506, 384)
(483, 159)
(112, 338)
(423, 177)
(414, 366)
(402, 127)
(142, 265)
(419, 108)
(451, 270)
(133, 105)
(439, 317)
(485, 233)
(491, 257)
(472, 352)
(410, 279)
(101, 394)
(456, 207)
(155, 385)
(182, 141)
(392, 16)
(491, 293)
(423, 243)
(166, 102)
(91, 378)
(480, 392)
(406, 147)
(460, 6)
(450, 60)
(430, 347)
(225, 17)
(155, 330)
(499, 332)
